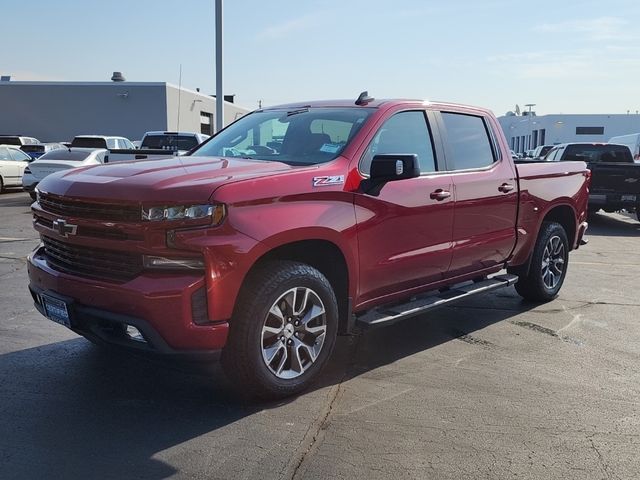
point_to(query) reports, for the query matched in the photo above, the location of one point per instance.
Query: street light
(530, 106)
(219, 94)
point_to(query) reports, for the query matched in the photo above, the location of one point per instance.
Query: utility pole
(219, 89)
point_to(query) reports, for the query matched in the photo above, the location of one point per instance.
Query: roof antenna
(364, 98)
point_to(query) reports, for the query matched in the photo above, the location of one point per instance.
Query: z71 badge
(328, 180)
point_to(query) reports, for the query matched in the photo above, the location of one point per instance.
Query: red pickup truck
(298, 223)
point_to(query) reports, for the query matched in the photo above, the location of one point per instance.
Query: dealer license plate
(628, 198)
(56, 310)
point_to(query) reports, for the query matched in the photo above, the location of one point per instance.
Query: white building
(526, 132)
(57, 111)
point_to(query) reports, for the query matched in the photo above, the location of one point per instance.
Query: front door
(404, 234)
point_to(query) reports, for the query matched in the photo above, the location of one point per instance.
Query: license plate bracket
(56, 309)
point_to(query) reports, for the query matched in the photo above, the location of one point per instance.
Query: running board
(387, 315)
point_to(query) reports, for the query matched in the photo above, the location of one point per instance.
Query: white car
(102, 141)
(17, 140)
(57, 160)
(13, 161)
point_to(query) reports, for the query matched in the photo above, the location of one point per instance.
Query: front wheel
(282, 332)
(548, 265)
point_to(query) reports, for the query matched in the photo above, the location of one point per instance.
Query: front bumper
(158, 305)
(29, 182)
(614, 200)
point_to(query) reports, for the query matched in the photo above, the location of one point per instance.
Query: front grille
(96, 211)
(91, 262)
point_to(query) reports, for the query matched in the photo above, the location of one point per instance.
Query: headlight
(151, 261)
(37, 194)
(184, 212)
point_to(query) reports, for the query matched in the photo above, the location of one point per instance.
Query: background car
(57, 160)
(17, 140)
(541, 151)
(180, 142)
(13, 161)
(36, 150)
(102, 141)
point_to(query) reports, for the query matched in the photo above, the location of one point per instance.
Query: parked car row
(25, 161)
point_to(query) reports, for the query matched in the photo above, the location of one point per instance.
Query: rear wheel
(282, 332)
(548, 265)
(1, 185)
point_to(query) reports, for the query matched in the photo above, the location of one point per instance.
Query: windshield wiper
(300, 110)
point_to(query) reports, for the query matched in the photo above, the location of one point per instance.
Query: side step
(387, 315)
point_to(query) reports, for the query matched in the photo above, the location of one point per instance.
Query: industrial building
(57, 111)
(527, 131)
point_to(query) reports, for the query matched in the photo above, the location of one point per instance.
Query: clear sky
(565, 56)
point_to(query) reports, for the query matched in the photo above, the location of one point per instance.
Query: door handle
(440, 195)
(506, 188)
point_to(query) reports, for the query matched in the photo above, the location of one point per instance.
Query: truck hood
(172, 180)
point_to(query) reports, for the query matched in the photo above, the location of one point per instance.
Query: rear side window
(4, 153)
(406, 133)
(469, 141)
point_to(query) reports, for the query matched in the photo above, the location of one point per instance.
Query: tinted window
(10, 141)
(19, 156)
(589, 130)
(597, 153)
(64, 154)
(407, 133)
(88, 142)
(170, 142)
(287, 136)
(32, 148)
(468, 141)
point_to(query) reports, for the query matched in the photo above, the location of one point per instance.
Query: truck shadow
(613, 225)
(72, 410)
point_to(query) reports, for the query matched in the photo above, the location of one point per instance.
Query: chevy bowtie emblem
(65, 229)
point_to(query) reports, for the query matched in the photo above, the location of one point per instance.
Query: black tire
(33, 196)
(1, 185)
(537, 285)
(244, 357)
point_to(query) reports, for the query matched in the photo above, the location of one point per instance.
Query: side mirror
(389, 167)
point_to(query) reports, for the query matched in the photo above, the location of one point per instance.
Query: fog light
(134, 334)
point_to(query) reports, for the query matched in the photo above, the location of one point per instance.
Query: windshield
(598, 153)
(304, 136)
(68, 155)
(170, 142)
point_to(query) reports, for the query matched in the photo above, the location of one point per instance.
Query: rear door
(404, 234)
(486, 193)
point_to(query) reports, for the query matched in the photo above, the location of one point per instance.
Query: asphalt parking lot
(493, 388)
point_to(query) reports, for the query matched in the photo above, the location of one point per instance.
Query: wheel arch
(326, 257)
(562, 213)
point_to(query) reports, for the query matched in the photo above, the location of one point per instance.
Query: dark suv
(615, 184)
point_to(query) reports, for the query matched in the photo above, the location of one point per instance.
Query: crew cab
(297, 223)
(615, 182)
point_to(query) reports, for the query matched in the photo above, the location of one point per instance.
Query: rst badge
(328, 180)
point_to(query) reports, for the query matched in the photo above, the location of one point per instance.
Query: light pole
(219, 89)
(530, 106)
